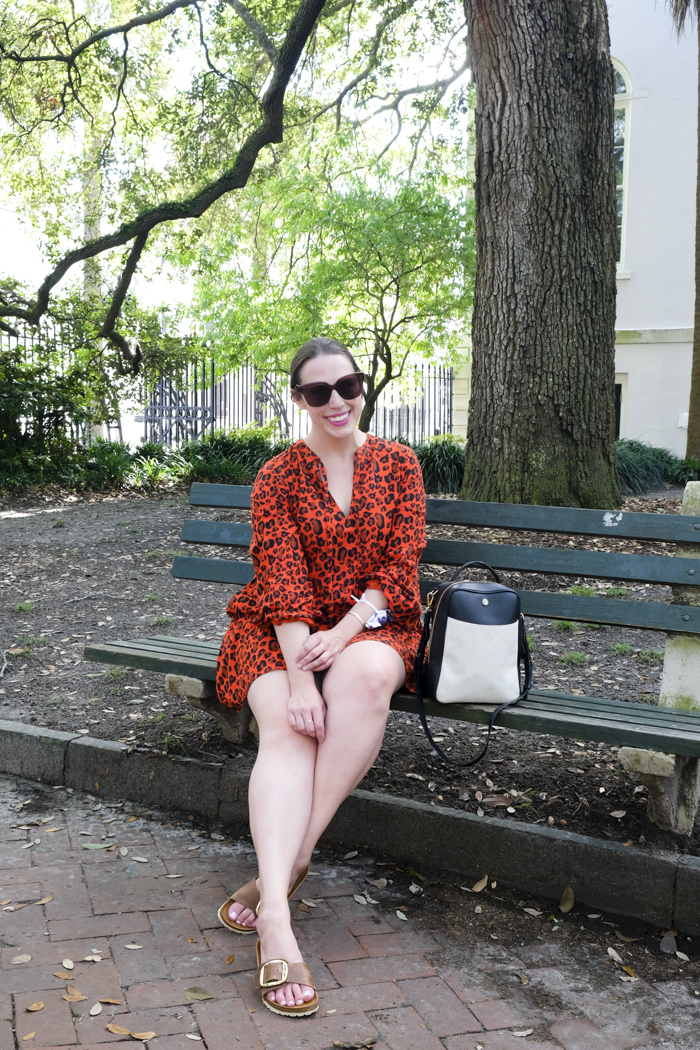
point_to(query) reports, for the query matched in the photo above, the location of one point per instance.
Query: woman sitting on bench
(338, 529)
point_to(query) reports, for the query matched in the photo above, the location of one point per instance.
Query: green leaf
(198, 993)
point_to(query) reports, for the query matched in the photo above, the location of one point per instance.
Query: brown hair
(312, 348)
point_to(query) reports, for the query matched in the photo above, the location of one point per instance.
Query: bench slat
(588, 718)
(644, 568)
(673, 528)
(212, 570)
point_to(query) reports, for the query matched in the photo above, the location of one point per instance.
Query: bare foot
(278, 942)
(244, 916)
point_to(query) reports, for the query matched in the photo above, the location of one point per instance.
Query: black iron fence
(417, 407)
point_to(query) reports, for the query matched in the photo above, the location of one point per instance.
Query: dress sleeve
(396, 574)
(281, 573)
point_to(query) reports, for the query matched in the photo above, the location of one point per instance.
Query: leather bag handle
(474, 564)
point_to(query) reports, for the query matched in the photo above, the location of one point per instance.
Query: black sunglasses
(318, 394)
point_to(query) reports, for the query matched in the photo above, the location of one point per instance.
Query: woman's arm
(306, 709)
(320, 650)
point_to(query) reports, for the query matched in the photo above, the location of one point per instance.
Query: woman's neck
(327, 447)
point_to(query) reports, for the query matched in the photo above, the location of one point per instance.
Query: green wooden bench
(671, 730)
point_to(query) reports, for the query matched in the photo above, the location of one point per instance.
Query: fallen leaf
(45, 900)
(415, 888)
(682, 956)
(68, 963)
(74, 998)
(593, 916)
(351, 854)
(619, 813)
(356, 1046)
(195, 992)
(302, 907)
(95, 1010)
(116, 1002)
(30, 1036)
(172, 876)
(624, 977)
(217, 838)
(526, 1031)
(140, 860)
(49, 830)
(128, 821)
(629, 970)
(191, 940)
(379, 883)
(371, 900)
(480, 885)
(524, 979)
(20, 959)
(479, 812)
(117, 1029)
(133, 946)
(400, 915)
(144, 1036)
(567, 900)
(189, 848)
(497, 800)
(614, 956)
(92, 958)
(36, 1006)
(191, 1035)
(312, 904)
(63, 976)
(532, 911)
(359, 898)
(625, 938)
(97, 845)
(230, 959)
(123, 851)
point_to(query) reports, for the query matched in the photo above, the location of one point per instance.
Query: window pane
(620, 86)
(619, 159)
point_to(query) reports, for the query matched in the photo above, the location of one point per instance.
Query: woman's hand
(306, 711)
(320, 650)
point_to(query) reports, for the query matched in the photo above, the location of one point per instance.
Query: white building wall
(655, 288)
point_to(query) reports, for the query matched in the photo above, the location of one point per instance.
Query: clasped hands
(306, 705)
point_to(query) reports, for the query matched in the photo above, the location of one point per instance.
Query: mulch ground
(97, 568)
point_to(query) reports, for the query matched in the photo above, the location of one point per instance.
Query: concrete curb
(660, 888)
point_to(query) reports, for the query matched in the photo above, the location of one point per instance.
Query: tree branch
(102, 34)
(256, 29)
(269, 130)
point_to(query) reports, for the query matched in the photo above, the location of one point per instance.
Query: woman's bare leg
(279, 801)
(357, 689)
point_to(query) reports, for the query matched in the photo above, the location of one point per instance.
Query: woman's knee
(372, 678)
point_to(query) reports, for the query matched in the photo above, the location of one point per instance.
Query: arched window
(623, 92)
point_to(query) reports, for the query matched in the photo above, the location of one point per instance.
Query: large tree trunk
(541, 415)
(693, 440)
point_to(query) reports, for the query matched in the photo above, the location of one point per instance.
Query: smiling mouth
(336, 420)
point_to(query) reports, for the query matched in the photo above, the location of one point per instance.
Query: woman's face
(339, 417)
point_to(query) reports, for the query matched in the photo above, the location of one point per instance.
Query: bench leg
(235, 725)
(673, 782)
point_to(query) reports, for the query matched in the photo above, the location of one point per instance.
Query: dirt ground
(92, 569)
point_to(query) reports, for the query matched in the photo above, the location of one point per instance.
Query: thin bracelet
(357, 616)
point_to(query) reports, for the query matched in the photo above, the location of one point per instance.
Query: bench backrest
(638, 568)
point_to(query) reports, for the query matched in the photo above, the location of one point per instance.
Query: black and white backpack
(472, 648)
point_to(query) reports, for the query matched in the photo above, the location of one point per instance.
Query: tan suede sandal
(249, 897)
(276, 972)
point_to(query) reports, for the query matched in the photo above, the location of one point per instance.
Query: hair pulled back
(315, 347)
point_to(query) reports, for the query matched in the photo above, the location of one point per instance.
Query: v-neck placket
(319, 472)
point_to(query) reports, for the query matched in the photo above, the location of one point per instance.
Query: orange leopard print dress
(310, 558)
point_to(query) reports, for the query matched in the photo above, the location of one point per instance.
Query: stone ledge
(661, 888)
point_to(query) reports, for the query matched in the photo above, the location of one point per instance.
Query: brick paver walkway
(381, 982)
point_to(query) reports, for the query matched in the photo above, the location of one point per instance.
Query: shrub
(641, 467)
(441, 460)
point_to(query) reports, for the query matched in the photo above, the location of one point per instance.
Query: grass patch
(573, 659)
(27, 643)
(115, 690)
(115, 674)
(622, 648)
(532, 643)
(161, 554)
(171, 742)
(651, 656)
(53, 702)
(583, 592)
(59, 524)
(25, 607)
(649, 698)
(190, 718)
(597, 626)
(616, 592)
(564, 626)
(152, 597)
(163, 621)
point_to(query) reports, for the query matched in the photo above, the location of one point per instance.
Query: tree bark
(541, 416)
(693, 439)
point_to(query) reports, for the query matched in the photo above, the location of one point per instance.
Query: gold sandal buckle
(274, 982)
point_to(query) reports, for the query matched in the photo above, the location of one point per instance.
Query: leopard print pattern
(310, 558)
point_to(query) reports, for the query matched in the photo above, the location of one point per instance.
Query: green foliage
(584, 592)
(641, 467)
(573, 659)
(564, 626)
(152, 597)
(651, 656)
(622, 648)
(442, 463)
(27, 644)
(171, 742)
(532, 643)
(615, 592)
(115, 674)
(59, 524)
(24, 607)
(163, 621)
